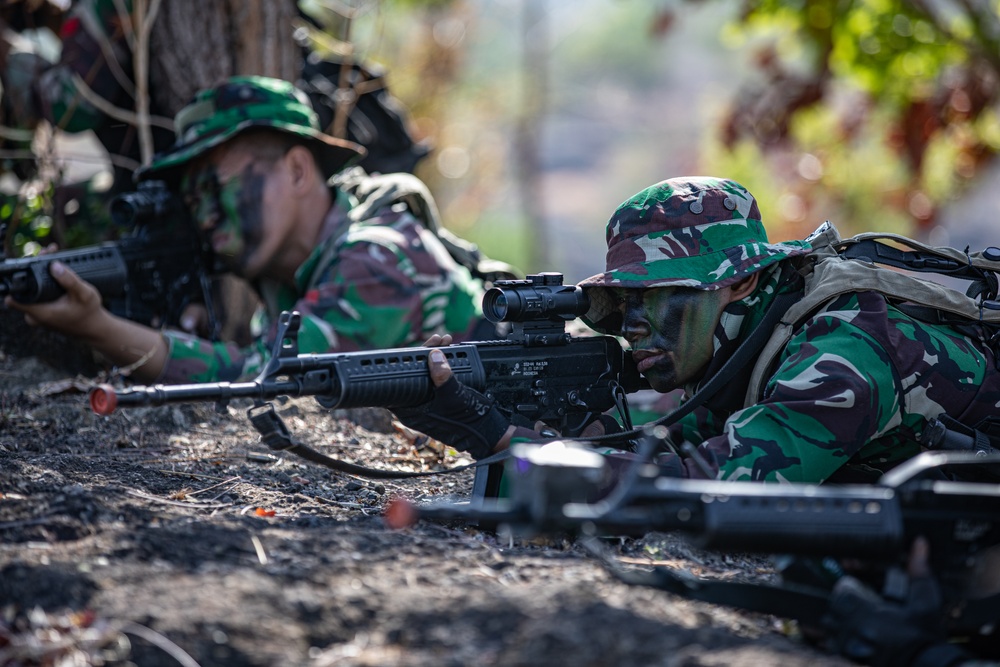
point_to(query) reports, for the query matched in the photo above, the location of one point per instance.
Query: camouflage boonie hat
(218, 114)
(698, 232)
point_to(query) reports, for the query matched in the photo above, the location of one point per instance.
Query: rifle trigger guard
(621, 404)
(214, 326)
(272, 429)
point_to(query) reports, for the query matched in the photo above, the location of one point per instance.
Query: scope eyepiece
(540, 296)
(151, 200)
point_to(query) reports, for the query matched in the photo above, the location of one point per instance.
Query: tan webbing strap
(833, 276)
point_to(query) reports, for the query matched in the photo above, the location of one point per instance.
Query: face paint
(230, 213)
(670, 330)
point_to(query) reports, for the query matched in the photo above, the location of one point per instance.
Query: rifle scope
(150, 201)
(540, 296)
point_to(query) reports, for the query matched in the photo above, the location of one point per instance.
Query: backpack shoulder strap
(830, 273)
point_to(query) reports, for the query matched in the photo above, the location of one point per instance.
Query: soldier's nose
(634, 327)
(208, 220)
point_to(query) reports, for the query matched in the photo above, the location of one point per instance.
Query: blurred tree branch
(928, 76)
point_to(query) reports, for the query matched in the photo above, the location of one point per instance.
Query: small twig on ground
(208, 488)
(161, 642)
(338, 503)
(165, 501)
(25, 522)
(181, 473)
(259, 548)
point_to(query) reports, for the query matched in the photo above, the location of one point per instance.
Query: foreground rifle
(538, 373)
(147, 276)
(950, 498)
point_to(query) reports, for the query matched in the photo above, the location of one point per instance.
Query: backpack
(378, 192)
(376, 120)
(838, 266)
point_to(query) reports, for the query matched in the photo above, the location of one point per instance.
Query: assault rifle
(148, 276)
(948, 497)
(539, 372)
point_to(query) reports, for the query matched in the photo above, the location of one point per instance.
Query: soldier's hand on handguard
(457, 415)
(78, 312)
(871, 630)
(195, 320)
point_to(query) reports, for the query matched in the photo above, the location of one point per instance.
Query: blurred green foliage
(871, 113)
(27, 221)
(891, 103)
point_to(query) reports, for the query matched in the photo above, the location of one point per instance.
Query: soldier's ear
(302, 167)
(743, 288)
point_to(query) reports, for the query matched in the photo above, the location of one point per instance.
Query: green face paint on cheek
(681, 323)
(230, 214)
(201, 194)
(205, 199)
(243, 201)
(692, 334)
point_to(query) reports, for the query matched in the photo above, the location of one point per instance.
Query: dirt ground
(172, 536)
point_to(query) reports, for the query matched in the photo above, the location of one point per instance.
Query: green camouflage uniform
(853, 388)
(384, 280)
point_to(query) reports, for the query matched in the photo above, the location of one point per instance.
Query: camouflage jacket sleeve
(390, 283)
(192, 359)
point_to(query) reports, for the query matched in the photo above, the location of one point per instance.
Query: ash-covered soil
(173, 536)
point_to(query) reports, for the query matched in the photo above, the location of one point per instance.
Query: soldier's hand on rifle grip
(75, 313)
(439, 369)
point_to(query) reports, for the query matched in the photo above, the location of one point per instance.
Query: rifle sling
(275, 434)
(803, 603)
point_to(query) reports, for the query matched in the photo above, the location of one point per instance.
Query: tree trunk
(197, 43)
(194, 44)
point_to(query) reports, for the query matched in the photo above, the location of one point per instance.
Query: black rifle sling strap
(276, 435)
(803, 603)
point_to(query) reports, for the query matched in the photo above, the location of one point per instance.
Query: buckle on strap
(272, 429)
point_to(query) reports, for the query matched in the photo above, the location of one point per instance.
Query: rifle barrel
(104, 398)
(378, 378)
